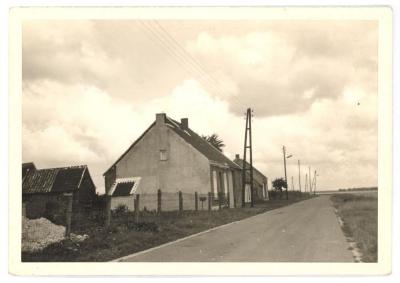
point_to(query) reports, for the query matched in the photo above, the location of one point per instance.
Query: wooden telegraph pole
(247, 146)
(306, 184)
(298, 162)
(315, 181)
(292, 184)
(309, 178)
(284, 165)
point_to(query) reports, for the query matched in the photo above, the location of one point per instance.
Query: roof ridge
(65, 167)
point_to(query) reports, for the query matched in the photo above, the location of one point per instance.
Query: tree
(278, 184)
(215, 141)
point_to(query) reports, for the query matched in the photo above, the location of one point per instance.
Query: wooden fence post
(137, 208)
(159, 201)
(180, 201)
(108, 212)
(69, 214)
(196, 201)
(209, 201)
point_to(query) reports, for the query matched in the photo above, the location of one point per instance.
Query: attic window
(163, 155)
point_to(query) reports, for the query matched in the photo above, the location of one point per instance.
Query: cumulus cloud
(285, 71)
(90, 88)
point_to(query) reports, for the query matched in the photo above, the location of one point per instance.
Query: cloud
(90, 88)
(112, 56)
(286, 71)
(71, 125)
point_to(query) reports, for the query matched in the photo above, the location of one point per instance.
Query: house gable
(189, 136)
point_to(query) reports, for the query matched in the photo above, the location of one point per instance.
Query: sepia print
(159, 139)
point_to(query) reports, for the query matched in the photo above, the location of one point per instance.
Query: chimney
(184, 123)
(237, 156)
(160, 119)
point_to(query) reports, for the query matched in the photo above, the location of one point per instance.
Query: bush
(120, 210)
(144, 226)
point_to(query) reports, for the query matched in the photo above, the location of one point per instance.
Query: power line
(195, 63)
(184, 58)
(183, 50)
(181, 59)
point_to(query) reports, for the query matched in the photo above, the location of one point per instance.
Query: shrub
(145, 226)
(120, 210)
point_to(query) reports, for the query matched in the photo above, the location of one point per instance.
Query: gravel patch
(39, 233)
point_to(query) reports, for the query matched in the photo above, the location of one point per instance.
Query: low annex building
(260, 182)
(43, 190)
(171, 157)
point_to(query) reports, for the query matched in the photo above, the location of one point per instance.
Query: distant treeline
(360, 189)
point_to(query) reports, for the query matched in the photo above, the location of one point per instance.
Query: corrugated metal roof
(53, 180)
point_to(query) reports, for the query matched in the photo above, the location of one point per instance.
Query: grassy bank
(125, 237)
(359, 213)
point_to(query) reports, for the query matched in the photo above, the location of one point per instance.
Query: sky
(90, 89)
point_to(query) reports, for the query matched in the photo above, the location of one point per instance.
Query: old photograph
(161, 139)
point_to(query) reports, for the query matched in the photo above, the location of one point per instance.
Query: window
(163, 155)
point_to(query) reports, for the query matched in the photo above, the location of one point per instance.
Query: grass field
(125, 237)
(359, 213)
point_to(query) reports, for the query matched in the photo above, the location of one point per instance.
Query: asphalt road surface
(306, 231)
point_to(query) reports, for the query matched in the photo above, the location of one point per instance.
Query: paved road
(307, 231)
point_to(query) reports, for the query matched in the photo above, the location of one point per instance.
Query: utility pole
(315, 181)
(298, 162)
(284, 165)
(292, 185)
(247, 146)
(309, 178)
(306, 184)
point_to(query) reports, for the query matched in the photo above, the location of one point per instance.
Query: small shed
(44, 190)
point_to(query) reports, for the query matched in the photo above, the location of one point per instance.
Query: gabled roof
(63, 179)
(240, 163)
(192, 138)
